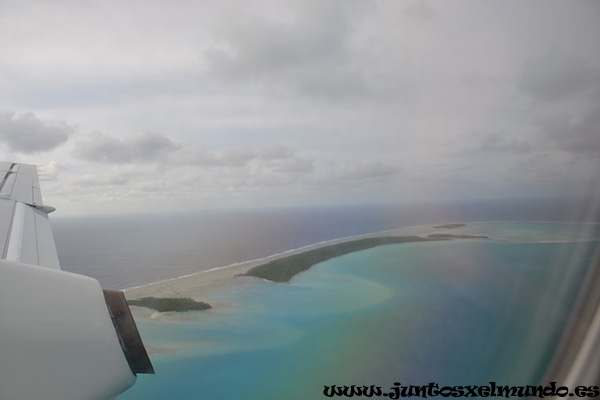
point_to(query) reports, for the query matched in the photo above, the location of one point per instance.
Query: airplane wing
(61, 336)
(24, 226)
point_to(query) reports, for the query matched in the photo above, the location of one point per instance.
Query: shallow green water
(458, 313)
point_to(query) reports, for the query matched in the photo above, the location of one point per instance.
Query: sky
(155, 105)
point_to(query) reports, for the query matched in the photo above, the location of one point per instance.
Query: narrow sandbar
(283, 269)
(449, 226)
(208, 285)
(201, 284)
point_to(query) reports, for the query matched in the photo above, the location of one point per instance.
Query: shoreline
(284, 269)
(204, 285)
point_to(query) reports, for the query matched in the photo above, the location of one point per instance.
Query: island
(449, 226)
(283, 269)
(454, 236)
(170, 304)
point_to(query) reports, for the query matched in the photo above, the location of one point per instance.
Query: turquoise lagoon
(457, 312)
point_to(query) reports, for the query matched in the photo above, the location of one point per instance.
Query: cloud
(152, 147)
(476, 80)
(26, 133)
(194, 153)
(556, 75)
(98, 180)
(115, 176)
(236, 157)
(276, 158)
(262, 46)
(295, 165)
(283, 160)
(539, 166)
(497, 143)
(365, 170)
(227, 86)
(421, 11)
(145, 147)
(576, 136)
(51, 171)
(275, 152)
(309, 52)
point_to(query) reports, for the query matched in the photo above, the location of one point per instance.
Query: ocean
(123, 251)
(461, 312)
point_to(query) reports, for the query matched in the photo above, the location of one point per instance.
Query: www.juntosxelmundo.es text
(434, 390)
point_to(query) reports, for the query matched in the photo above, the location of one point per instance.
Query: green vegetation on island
(283, 269)
(453, 236)
(449, 226)
(170, 304)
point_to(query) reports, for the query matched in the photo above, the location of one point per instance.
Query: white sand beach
(199, 286)
(204, 285)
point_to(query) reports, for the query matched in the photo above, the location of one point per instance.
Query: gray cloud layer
(311, 54)
(145, 147)
(321, 98)
(156, 148)
(579, 137)
(365, 170)
(557, 75)
(498, 143)
(26, 133)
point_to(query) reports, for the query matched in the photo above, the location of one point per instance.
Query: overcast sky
(146, 105)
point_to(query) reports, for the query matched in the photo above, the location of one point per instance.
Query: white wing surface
(24, 226)
(61, 336)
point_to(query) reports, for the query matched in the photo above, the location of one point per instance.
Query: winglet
(25, 233)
